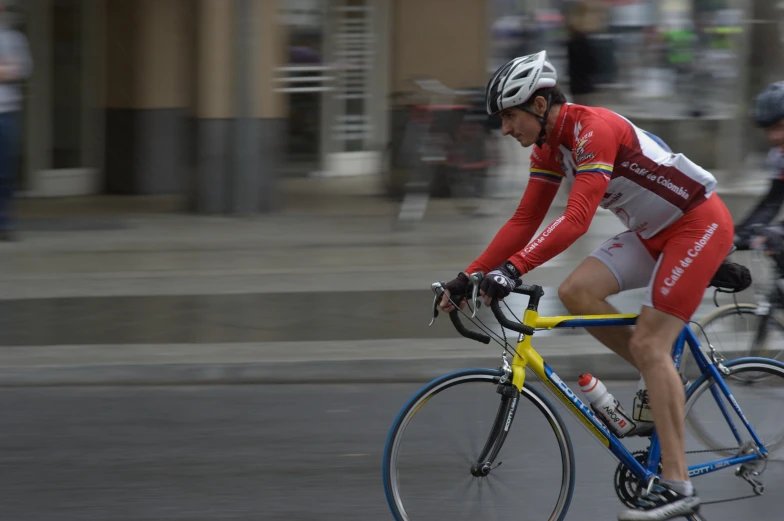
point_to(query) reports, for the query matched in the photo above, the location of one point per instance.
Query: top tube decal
(586, 321)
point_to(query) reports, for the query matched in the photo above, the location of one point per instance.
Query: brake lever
(438, 291)
(476, 280)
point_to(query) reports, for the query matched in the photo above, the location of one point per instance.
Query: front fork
(510, 396)
(510, 386)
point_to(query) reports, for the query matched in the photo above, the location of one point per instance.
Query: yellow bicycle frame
(526, 356)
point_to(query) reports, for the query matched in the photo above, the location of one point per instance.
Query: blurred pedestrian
(581, 55)
(15, 66)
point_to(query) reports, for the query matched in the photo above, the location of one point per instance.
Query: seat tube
(678, 347)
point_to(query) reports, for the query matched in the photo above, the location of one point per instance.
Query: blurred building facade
(218, 98)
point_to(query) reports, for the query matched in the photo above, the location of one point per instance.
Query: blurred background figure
(581, 23)
(681, 46)
(15, 65)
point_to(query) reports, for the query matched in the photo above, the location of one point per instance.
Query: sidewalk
(405, 360)
(102, 268)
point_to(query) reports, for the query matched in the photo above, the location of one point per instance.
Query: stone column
(239, 117)
(270, 109)
(214, 107)
(146, 96)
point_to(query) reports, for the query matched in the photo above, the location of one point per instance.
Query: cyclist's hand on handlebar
(457, 289)
(741, 242)
(748, 237)
(499, 283)
(770, 239)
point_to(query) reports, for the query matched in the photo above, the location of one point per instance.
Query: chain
(728, 449)
(716, 501)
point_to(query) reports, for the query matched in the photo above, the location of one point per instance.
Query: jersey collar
(560, 130)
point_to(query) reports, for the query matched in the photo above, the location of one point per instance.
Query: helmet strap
(542, 119)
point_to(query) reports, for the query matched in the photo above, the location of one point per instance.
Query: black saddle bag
(731, 277)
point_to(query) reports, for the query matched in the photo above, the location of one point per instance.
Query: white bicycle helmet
(513, 83)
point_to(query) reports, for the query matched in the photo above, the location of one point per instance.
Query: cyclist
(768, 113)
(679, 232)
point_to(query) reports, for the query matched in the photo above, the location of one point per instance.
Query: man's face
(775, 134)
(521, 125)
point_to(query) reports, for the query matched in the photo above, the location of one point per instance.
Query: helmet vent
(511, 93)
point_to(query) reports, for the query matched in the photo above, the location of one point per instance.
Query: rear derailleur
(751, 471)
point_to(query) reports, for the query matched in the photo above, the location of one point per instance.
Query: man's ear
(541, 105)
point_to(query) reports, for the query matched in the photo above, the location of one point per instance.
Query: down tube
(585, 415)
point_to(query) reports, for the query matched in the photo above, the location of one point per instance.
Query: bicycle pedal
(646, 492)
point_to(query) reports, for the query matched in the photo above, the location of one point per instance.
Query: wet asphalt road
(284, 452)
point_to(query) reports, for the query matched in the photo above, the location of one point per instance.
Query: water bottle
(605, 406)
(642, 407)
(641, 411)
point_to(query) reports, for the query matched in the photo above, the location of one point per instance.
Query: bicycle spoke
(465, 494)
(491, 484)
(463, 447)
(476, 506)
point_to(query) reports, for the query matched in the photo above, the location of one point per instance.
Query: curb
(606, 366)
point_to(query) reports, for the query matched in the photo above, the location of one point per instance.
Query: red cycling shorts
(676, 264)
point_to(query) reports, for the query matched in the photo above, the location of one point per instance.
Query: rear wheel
(757, 385)
(738, 331)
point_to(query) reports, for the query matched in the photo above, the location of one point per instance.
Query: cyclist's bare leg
(651, 347)
(584, 292)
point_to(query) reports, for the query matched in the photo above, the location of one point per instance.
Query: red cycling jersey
(610, 163)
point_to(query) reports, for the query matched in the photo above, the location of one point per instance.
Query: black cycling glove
(500, 282)
(742, 242)
(458, 288)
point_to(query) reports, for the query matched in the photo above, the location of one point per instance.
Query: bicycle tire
(756, 346)
(708, 435)
(491, 376)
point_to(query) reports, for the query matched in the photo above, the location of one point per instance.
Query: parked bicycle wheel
(454, 452)
(708, 411)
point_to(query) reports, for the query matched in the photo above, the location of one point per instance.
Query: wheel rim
(397, 436)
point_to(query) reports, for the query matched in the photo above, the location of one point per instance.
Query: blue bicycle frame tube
(645, 472)
(599, 430)
(705, 368)
(711, 371)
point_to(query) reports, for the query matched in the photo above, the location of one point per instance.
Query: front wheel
(478, 450)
